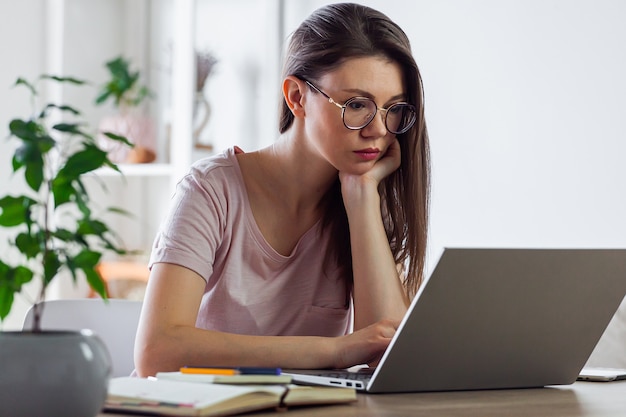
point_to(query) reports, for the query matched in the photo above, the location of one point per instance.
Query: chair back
(114, 321)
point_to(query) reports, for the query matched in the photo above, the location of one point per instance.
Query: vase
(201, 115)
(53, 374)
(138, 129)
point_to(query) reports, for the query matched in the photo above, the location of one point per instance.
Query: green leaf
(89, 159)
(69, 128)
(87, 259)
(62, 190)
(20, 276)
(27, 153)
(121, 211)
(15, 210)
(66, 184)
(118, 138)
(142, 94)
(30, 156)
(103, 97)
(113, 166)
(70, 80)
(4, 271)
(96, 282)
(36, 143)
(6, 291)
(73, 238)
(91, 227)
(63, 108)
(11, 282)
(122, 85)
(108, 245)
(21, 81)
(64, 235)
(82, 199)
(6, 301)
(69, 263)
(28, 244)
(27, 130)
(51, 266)
(34, 175)
(31, 131)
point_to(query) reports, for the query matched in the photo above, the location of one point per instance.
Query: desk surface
(582, 399)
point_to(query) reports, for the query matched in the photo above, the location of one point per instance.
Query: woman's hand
(365, 346)
(355, 187)
(389, 162)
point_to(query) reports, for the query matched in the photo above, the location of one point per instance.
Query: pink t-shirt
(250, 288)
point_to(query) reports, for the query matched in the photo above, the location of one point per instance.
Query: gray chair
(114, 321)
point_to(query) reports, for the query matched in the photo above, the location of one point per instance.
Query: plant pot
(53, 374)
(139, 130)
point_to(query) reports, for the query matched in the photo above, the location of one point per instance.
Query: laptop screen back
(504, 318)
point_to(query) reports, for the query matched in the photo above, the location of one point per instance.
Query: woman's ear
(293, 91)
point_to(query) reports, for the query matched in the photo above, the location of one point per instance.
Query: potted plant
(127, 95)
(57, 231)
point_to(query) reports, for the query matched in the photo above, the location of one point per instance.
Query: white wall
(23, 58)
(526, 111)
(243, 90)
(23, 54)
(527, 122)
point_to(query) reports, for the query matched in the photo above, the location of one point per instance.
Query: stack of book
(212, 392)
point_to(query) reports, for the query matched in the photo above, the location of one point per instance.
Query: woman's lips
(368, 154)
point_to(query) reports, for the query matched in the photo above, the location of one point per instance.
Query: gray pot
(53, 374)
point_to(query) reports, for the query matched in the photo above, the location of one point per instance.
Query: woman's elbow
(153, 355)
(146, 362)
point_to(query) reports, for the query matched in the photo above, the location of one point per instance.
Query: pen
(229, 371)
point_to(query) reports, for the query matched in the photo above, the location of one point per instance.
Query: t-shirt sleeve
(192, 230)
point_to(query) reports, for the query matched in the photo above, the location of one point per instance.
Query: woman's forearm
(168, 349)
(378, 291)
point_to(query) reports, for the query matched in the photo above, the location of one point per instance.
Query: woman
(304, 254)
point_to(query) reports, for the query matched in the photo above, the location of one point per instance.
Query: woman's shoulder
(214, 180)
(226, 158)
(222, 166)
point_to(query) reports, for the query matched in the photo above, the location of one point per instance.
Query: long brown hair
(325, 40)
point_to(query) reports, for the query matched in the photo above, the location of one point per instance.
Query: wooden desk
(582, 399)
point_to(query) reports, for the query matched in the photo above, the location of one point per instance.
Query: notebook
(497, 318)
(183, 398)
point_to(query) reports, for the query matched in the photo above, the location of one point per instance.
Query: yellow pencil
(209, 371)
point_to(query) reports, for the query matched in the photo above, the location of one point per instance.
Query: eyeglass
(359, 112)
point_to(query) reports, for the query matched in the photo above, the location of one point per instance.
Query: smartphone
(601, 374)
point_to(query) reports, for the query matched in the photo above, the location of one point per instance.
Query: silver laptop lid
(504, 318)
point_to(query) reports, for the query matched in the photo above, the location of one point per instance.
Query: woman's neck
(299, 178)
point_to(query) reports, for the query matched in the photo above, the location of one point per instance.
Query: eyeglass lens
(360, 111)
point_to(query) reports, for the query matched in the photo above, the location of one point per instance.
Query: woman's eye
(395, 109)
(357, 105)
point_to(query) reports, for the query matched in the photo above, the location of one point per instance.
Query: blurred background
(525, 105)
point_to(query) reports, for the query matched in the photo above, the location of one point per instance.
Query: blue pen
(258, 371)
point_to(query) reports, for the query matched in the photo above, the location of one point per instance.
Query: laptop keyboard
(361, 375)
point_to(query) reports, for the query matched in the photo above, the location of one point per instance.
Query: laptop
(496, 319)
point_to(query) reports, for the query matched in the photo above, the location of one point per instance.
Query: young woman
(304, 254)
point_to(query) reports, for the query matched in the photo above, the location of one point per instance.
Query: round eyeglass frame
(343, 106)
